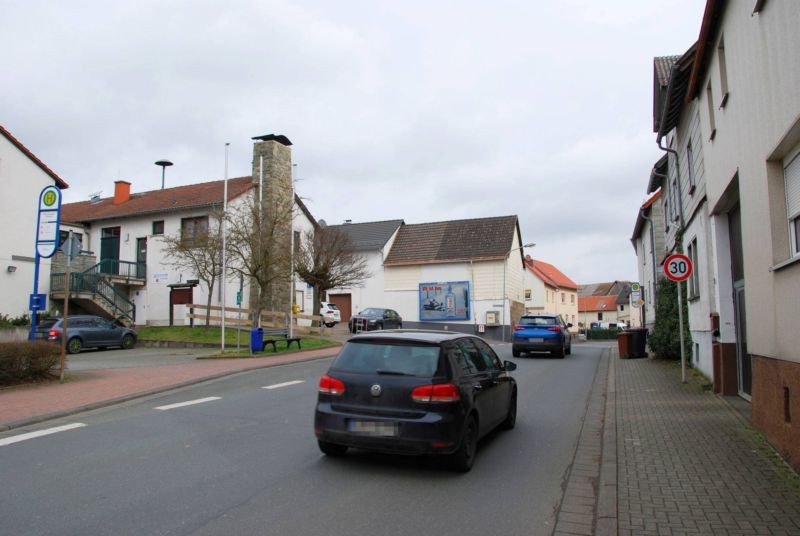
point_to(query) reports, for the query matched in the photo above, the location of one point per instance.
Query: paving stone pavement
(658, 457)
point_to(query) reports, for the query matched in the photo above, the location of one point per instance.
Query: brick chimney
(122, 192)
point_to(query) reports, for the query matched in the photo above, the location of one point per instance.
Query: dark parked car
(86, 331)
(375, 318)
(542, 333)
(414, 392)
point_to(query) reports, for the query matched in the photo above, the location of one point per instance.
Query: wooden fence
(196, 313)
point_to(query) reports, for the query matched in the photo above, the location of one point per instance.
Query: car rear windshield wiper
(393, 373)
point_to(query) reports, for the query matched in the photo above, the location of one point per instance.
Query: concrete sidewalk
(656, 456)
(90, 389)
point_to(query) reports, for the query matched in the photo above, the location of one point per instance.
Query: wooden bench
(279, 332)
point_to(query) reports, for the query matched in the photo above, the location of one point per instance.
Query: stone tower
(273, 152)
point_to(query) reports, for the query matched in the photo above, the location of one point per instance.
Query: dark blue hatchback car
(542, 333)
(415, 392)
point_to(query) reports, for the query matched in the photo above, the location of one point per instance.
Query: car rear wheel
(462, 459)
(378, 326)
(515, 352)
(559, 353)
(330, 324)
(511, 417)
(74, 345)
(332, 449)
(128, 341)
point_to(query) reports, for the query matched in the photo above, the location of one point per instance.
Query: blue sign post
(48, 222)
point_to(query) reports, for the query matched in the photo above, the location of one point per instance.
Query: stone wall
(776, 404)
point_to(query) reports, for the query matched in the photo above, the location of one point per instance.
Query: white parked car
(331, 314)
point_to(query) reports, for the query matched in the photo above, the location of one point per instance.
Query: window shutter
(792, 177)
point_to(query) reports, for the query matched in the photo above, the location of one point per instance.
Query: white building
(729, 116)
(123, 242)
(549, 290)
(23, 176)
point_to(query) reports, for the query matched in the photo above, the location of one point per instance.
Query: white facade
(22, 181)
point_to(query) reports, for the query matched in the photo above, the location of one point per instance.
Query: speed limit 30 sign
(678, 267)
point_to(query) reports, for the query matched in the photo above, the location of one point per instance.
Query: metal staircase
(94, 289)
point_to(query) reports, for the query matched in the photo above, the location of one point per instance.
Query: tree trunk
(208, 304)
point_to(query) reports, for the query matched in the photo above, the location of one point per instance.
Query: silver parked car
(87, 331)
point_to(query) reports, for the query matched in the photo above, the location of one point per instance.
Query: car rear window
(46, 323)
(379, 357)
(537, 321)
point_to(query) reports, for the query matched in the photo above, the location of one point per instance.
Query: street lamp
(505, 269)
(164, 165)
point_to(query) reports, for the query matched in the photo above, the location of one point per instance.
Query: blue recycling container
(257, 339)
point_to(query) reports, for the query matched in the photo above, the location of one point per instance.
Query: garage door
(344, 303)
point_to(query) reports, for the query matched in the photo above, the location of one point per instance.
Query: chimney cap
(280, 138)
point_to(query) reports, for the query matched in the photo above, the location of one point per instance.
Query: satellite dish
(95, 196)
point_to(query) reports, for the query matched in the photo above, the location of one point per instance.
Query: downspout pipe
(672, 74)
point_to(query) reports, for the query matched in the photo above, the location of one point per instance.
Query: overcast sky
(420, 110)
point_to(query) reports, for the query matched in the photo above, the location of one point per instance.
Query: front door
(109, 250)
(744, 365)
(141, 257)
(742, 357)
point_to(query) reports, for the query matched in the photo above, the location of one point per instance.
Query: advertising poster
(441, 301)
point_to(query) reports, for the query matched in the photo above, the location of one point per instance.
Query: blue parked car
(542, 333)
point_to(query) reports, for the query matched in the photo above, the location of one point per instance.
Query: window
(694, 281)
(791, 175)
(621, 307)
(600, 315)
(711, 124)
(563, 298)
(193, 228)
(528, 294)
(299, 299)
(63, 235)
(572, 299)
(690, 165)
(296, 249)
(158, 227)
(723, 73)
(676, 199)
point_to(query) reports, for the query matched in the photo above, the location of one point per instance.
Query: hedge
(602, 333)
(27, 360)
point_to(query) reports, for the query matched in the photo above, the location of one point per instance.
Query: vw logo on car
(375, 390)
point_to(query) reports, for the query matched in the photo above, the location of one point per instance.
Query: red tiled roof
(597, 303)
(204, 194)
(454, 241)
(550, 274)
(652, 199)
(18, 144)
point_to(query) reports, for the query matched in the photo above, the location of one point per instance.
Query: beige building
(549, 290)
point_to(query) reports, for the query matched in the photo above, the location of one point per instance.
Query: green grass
(212, 335)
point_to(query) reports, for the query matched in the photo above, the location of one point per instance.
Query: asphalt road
(245, 461)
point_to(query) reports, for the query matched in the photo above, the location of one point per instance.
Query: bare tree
(259, 247)
(326, 260)
(198, 249)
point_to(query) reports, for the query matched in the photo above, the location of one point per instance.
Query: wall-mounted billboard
(442, 301)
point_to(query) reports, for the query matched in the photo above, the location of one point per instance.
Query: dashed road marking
(40, 433)
(284, 384)
(189, 403)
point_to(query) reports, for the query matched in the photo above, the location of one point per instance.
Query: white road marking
(284, 384)
(40, 433)
(189, 403)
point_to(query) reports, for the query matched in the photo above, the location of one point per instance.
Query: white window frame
(791, 177)
(694, 280)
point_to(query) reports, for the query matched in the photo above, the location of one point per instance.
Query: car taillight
(53, 333)
(519, 328)
(441, 393)
(554, 328)
(331, 386)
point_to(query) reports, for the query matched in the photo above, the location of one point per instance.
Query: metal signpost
(47, 227)
(678, 268)
(71, 248)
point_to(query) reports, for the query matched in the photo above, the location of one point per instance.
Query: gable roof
(204, 194)
(454, 241)
(551, 275)
(61, 183)
(597, 303)
(674, 98)
(369, 236)
(640, 216)
(662, 67)
(610, 288)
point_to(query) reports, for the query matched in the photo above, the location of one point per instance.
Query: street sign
(48, 221)
(636, 294)
(678, 267)
(37, 302)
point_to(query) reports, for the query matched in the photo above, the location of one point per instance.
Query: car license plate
(375, 428)
(536, 339)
